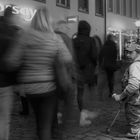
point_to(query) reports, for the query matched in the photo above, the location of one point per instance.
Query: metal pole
(105, 3)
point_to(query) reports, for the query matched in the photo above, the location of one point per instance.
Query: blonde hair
(41, 20)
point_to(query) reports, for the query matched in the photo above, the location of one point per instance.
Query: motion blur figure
(86, 60)
(65, 98)
(108, 61)
(43, 54)
(7, 35)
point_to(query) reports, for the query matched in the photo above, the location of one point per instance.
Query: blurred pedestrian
(86, 60)
(8, 32)
(108, 61)
(131, 92)
(43, 55)
(65, 98)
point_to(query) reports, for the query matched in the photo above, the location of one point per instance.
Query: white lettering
(27, 13)
(15, 10)
(30, 15)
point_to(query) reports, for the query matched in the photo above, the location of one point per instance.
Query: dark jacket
(85, 51)
(108, 55)
(7, 36)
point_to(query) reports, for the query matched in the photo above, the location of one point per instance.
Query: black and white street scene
(69, 70)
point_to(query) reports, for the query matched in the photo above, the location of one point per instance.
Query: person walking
(43, 55)
(66, 98)
(86, 61)
(131, 92)
(108, 61)
(8, 33)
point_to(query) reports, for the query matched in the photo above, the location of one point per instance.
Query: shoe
(91, 114)
(83, 117)
(59, 118)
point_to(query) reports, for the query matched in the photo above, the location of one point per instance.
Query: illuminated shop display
(26, 12)
(123, 38)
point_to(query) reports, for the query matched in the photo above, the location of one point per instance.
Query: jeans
(6, 101)
(44, 106)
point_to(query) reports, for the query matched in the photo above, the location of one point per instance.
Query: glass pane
(83, 5)
(118, 6)
(99, 7)
(110, 5)
(124, 7)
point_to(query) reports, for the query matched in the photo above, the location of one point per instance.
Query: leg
(44, 108)
(110, 78)
(132, 113)
(80, 92)
(25, 105)
(6, 100)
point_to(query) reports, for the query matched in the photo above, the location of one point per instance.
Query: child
(132, 91)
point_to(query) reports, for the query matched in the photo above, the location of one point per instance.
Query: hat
(133, 47)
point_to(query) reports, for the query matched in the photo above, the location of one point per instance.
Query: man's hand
(117, 97)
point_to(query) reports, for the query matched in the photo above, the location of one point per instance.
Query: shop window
(117, 6)
(124, 7)
(63, 3)
(110, 5)
(83, 6)
(130, 5)
(44, 1)
(135, 9)
(99, 7)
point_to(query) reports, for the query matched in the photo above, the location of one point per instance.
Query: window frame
(118, 7)
(124, 12)
(42, 1)
(83, 11)
(59, 4)
(110, 6)
(131, 8)
(96, 13)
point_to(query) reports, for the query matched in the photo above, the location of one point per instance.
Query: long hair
(41, 20)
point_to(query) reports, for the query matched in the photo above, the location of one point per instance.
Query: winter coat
(85, 53)
(108, 56)
(39, 52)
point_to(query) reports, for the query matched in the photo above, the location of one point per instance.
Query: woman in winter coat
(41, 52)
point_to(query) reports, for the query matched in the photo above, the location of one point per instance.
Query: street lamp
(137, 23)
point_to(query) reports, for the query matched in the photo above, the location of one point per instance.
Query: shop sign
(72, 19)
(27, 13)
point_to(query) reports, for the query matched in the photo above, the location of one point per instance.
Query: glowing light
(27, 13)
(137, 23)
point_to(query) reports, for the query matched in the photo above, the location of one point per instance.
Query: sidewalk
(23, 128)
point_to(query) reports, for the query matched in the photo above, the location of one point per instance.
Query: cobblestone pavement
(23, 128)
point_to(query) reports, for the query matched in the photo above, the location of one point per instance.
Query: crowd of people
(43, 65)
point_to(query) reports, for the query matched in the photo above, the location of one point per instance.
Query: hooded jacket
(85, 50)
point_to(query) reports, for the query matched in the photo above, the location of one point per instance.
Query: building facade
(104, 16)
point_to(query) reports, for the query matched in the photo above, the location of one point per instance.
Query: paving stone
(103, 138)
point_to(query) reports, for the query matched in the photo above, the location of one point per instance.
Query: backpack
(85, 51)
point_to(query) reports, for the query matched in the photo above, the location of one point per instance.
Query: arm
(133, 82)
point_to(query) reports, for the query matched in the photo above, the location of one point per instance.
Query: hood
(84, 28)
